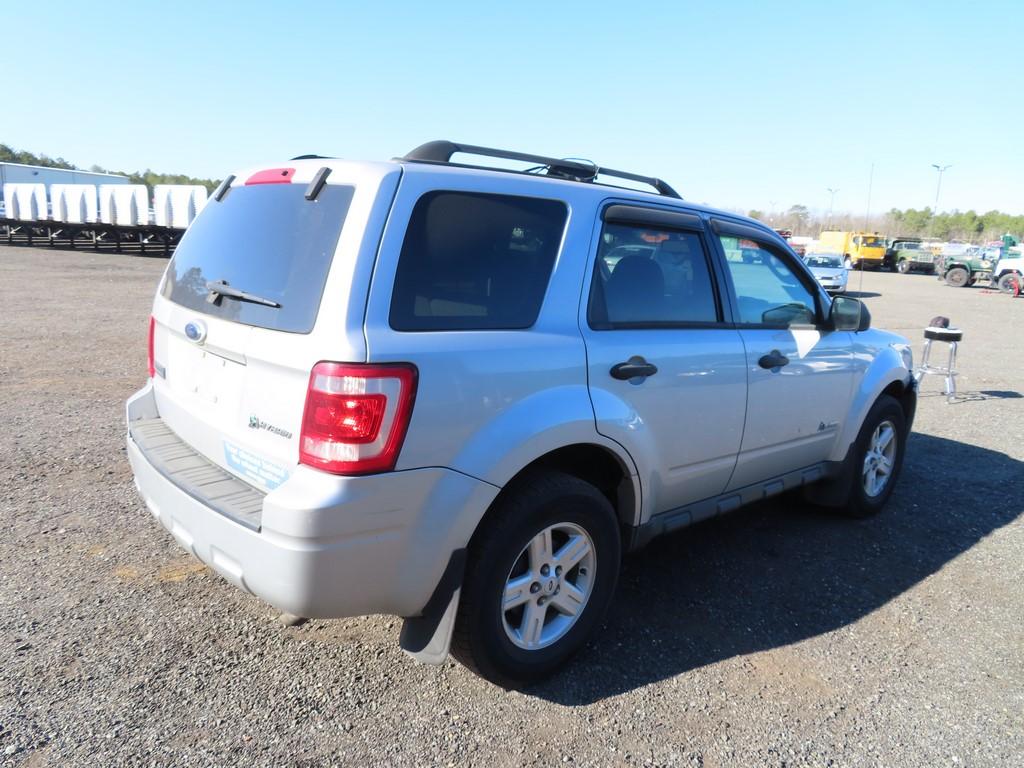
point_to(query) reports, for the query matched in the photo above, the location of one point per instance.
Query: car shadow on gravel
(779, 572)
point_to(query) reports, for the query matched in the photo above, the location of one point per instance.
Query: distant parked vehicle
(828, 270)
(859, 249)
(909, 255)
(1008, 274)
(799, 248)
(966, 265)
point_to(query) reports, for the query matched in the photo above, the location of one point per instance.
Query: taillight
(150, 366)
(356, 416)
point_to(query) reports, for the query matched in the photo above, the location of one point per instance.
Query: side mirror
(849, 314)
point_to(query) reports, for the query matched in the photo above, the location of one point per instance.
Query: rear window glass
(268, 241)
(475, 262)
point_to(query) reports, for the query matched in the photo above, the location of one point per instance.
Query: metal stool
(952, 337)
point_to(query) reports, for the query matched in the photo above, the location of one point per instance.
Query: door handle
(773, 359)
(635, 367)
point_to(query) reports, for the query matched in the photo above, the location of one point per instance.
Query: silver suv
(458, 394)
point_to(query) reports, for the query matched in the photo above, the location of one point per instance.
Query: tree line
(148, 177)
(969, 226)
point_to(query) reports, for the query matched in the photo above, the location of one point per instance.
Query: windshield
(823, 260)
(868, 242)
(266, 241)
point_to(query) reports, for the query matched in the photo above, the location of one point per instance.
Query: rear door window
(267, 240)
(651, 277)
(473, 261)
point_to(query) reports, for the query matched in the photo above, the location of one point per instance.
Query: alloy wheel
(879, 459)
(548, 586)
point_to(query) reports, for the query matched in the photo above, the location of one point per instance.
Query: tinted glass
(475, 262)
(767, 290)
(646, 276)
(266, 240)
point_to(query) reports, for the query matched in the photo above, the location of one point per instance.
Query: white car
(829, 270)
(457, 393)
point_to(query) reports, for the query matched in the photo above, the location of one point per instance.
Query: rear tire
(877, 458)
(957, 277)
(550, 547)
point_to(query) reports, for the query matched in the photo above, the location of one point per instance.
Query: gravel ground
(775, 637)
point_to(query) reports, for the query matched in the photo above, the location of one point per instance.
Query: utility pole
(871, 183)
(938, 187)
(831, 201)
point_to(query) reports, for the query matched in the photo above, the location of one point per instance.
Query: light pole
(941, 169)
(831, 200)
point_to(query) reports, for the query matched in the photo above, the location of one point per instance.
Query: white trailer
(25, 202)
(74, 203)
(124, 204)
(175, 205)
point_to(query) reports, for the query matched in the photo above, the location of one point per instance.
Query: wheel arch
(611, 472)
(835, 492)
(887, 375)
(905, 392)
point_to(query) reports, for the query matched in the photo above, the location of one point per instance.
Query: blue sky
(737, 104)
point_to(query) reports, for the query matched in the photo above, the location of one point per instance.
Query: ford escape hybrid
(458, 394)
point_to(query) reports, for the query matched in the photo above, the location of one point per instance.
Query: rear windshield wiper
(218, 288)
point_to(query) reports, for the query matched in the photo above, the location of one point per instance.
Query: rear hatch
(268, 280)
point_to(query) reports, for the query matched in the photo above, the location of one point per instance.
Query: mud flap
(428, 636)
(835, 491)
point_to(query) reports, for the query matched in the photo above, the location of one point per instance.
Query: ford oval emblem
(196, 331)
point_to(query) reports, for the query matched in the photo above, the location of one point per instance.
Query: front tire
(877, 458)
(903, 266)
(541, 573)
(957, 277)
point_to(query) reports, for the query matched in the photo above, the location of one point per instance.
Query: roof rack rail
(574, 170)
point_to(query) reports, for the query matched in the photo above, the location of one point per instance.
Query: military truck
(909, 254)
(962, 265)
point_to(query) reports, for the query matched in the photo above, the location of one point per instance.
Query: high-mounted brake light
(151, 364)
(272, 176)
(356, 416)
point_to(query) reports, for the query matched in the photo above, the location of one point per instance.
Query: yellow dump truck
(866, 249)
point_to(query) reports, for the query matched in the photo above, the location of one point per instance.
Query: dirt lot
(775, 637)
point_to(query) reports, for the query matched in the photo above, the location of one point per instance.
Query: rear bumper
(326, 546)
